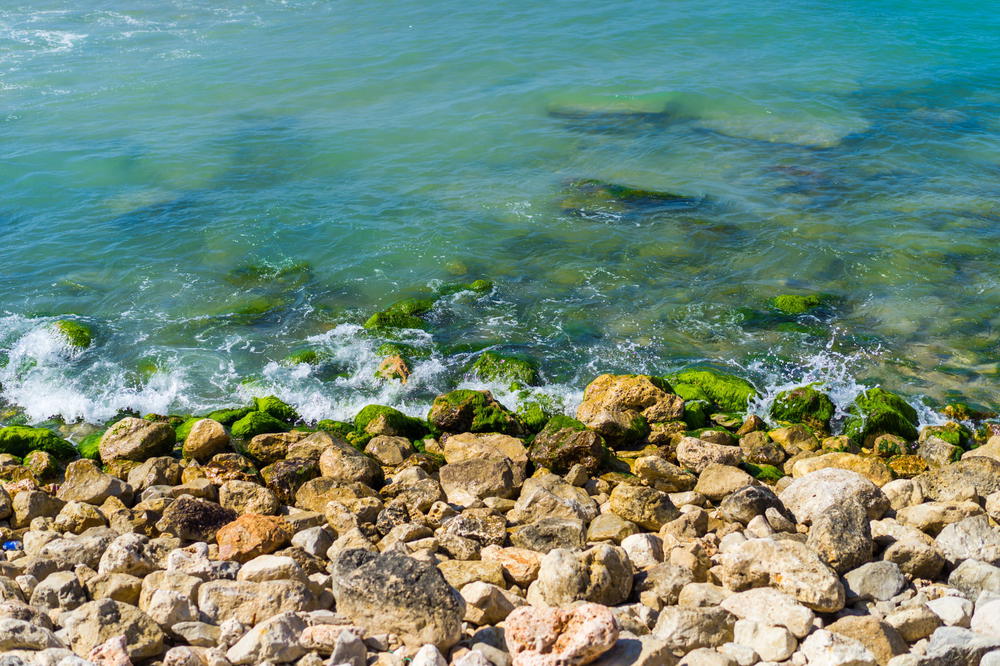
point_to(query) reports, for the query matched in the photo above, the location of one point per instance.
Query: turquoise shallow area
(212, 186)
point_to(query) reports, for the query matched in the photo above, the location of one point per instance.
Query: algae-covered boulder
(20, 440)
(509, 369)
(476, 287)
(300, 356)
(257, 423)
(340, 428)
(588, 196)
(728, 392)
(472, 411)
(43, 464)
(76, 334)
(796, 304)
(621, 407)
(277, 408)
(228, 417)
(804, 405)
(383, 420)
(877, 412)
(565, 442)
(402, 314)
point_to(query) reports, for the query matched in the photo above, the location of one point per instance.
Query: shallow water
(153, 155)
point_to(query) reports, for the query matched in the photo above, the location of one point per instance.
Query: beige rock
(881, 639)
(136, 439)
(85, 482)
(646, 507)
(696, 454)
(601, 574)
(389, 451)
(520, 564)
(77, 516)
(662, 475)
(612, 404)
(248, 497)
(252, 535)
(871, 468)
(459, 573)
(685, 629)
(769, 606)
(205, 439)
(95, 622)
(718, 481)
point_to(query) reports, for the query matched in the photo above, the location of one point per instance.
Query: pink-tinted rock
(112, 652)
(560, 637)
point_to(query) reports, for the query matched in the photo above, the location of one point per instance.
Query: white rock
(271, 567)
(428, 655)
(811, 495)
(986, 619)
(314, 540)
(168, 607)
(645, 550)
(953, 611)
(771, 643)
(769, 606)
(878, 581)
(825, 648)
(274, 639)
(741, 654)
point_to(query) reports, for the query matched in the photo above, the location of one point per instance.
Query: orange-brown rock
(251, 535)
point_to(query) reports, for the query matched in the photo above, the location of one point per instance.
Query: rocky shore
(662, 525)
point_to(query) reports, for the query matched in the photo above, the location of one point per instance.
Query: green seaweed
(277, 408)
(590, 195)
(696, 413)
(76, 334)
(307, 356)
(762, 472)
(408, 426)
(478, 287)
(803, 404)
(184, 428)
(229, 416)
(876, 412)
(256, 423)
(20, 440)
(796, 304)
(728, 392)
(339, 428)
(496, 367)
(89, 446)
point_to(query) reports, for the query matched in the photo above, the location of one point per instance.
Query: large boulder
(205, 438)
(194, 519)
(810, 496)
(136, 439)
(728, 392)
(85, 482)
(601, 574)
(398, 594)
(803, 404)
(621, 407)
(978, 475)
(787, 565)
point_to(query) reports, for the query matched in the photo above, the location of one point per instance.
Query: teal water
(154, 158)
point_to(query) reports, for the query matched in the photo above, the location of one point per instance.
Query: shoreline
(663, 522)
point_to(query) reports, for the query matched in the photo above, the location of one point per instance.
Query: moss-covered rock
(401, 314)
(876, 412)
(804, 404)
(257, 423)
(963, 411)
(565, 442)
(472, 411)
(339, 428)
(20, 440)
(954, 433)
(796, 304)
(588, 196)
(505, 368)
(908, 466)
(90, 446)
(228, 417)
(534, 415)
(766, 473)
(288, 275)
(621, 407)
(477, 286)
(76, 334)
(729, 392)
(384, 420)
(303, 356)
(277, 408)
(696, 412)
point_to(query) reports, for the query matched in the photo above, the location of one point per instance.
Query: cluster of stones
(621, 537)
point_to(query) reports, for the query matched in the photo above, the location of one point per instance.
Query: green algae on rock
(306, 356)
(229, 416)
(496, 367)
(476, 286)
(76, 334)
(383, 420)
(590, 195)
(466, 410)
(804, 404)
(728, 392)
(796, 304)
(340, 428)
(876, 412)
(20, 440)
(277, 408)
(90, 446)
(257, 423)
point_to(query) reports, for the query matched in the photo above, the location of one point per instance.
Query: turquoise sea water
(213, 187)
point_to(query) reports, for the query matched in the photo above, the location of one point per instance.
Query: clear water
(847, 148)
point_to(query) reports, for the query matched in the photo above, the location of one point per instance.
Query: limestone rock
(881, 639)
(205, 439)
(95, 622)
(136, 439)
(552, 636)
(771, 643)
(393, 592)
(663, 475)
(696, 454)
(787, 565)
(602, 574)
(194, 519)
(23, 635)
(971, 539)
(251, 535)
(469, 481)
(620, 407)
(842, 537)
(644, 506)
(813, 494)
(874, 581)
(768, 606)
(826, 648)
(686, 629)
(248, 497)
(275, 639)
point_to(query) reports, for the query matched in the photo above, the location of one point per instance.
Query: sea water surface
(212, 186)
